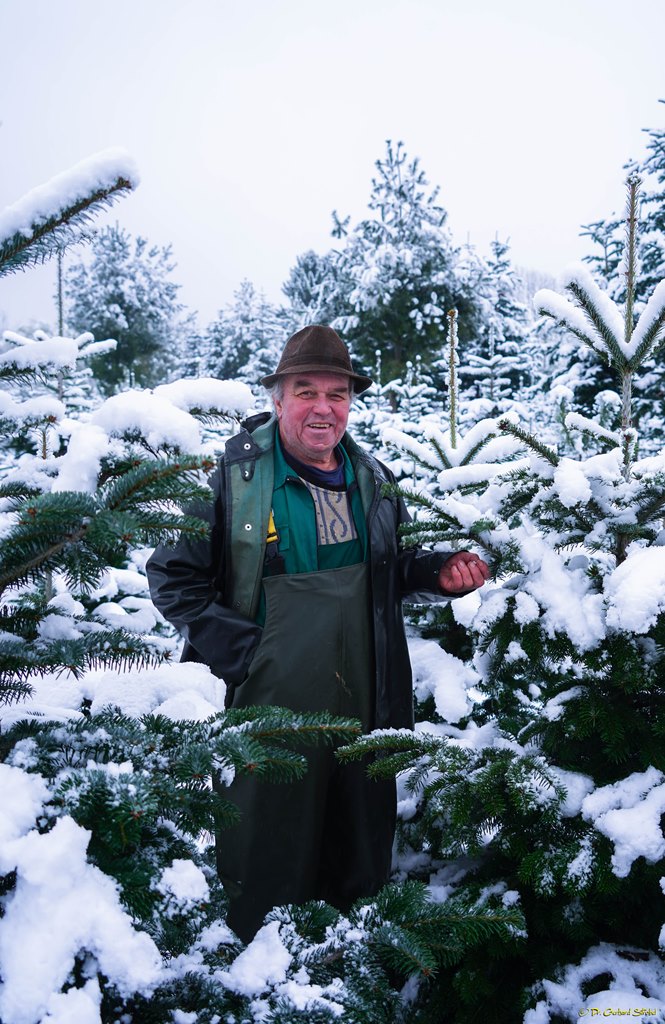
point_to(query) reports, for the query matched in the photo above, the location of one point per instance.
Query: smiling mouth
(319, 426)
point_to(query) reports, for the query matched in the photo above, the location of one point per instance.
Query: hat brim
(360, 382)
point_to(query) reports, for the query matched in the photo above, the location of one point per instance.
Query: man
(296, 602)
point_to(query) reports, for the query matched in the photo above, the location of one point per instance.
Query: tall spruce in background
(312, 290)
(396, 270)
(495, 365)
(244, 341)
(550, 789)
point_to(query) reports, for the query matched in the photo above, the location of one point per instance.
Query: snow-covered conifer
(396, 270)
(245, 341)
(312, 290)
(125, 291)
(547, 784)
(498, 363)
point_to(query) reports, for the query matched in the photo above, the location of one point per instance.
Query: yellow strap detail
(272, 530)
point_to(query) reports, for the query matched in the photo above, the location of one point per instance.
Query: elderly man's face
(313, 414)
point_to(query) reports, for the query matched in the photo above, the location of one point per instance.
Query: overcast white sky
(251, 122)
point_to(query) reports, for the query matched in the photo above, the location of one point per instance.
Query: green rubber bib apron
(316, 648)
(329, 835)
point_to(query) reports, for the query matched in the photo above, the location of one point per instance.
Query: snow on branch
(423, 455)
(79, 909)
(549, 303)
(574, 421)
(601, 313)
(33, 411)
(482, 437)
(55, 215)
(56, 353)
(649, 333)
(466, 475)
(227, 398)
(629, 813)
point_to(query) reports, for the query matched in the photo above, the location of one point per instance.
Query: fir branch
(15, 686)
(274, 723)
(420, 500)
(152, 480)
(403, 951)
(567, 322)
(402, 448)
(253, 757)
(592, 313)
(585, 516)
(381, 741)
(157, 527)
(440, 453)
(649, 339)
(21, 658)
(529, 440)
(589, 428)
(45, 527)
(58, 232)
(17, 491)
(477, 448)
(652, 503)
(12, 374)
(80, 533)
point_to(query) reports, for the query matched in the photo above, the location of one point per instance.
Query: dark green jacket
(210, 590)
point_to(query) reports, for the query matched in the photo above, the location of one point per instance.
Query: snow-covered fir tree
(125, 291)
(608, 266)
(505, 370)
(396, 270)
(245, 340)
(110, 908)
(312, 290)
(544, 782)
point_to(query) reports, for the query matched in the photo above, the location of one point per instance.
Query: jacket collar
(256, 437)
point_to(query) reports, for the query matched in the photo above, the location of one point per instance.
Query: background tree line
(387, 284)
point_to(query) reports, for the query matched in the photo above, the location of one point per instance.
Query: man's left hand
(464, 571)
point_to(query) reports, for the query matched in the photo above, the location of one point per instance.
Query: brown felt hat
(317, 349)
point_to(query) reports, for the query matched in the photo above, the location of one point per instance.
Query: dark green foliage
(172, 766)
(82, 533)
